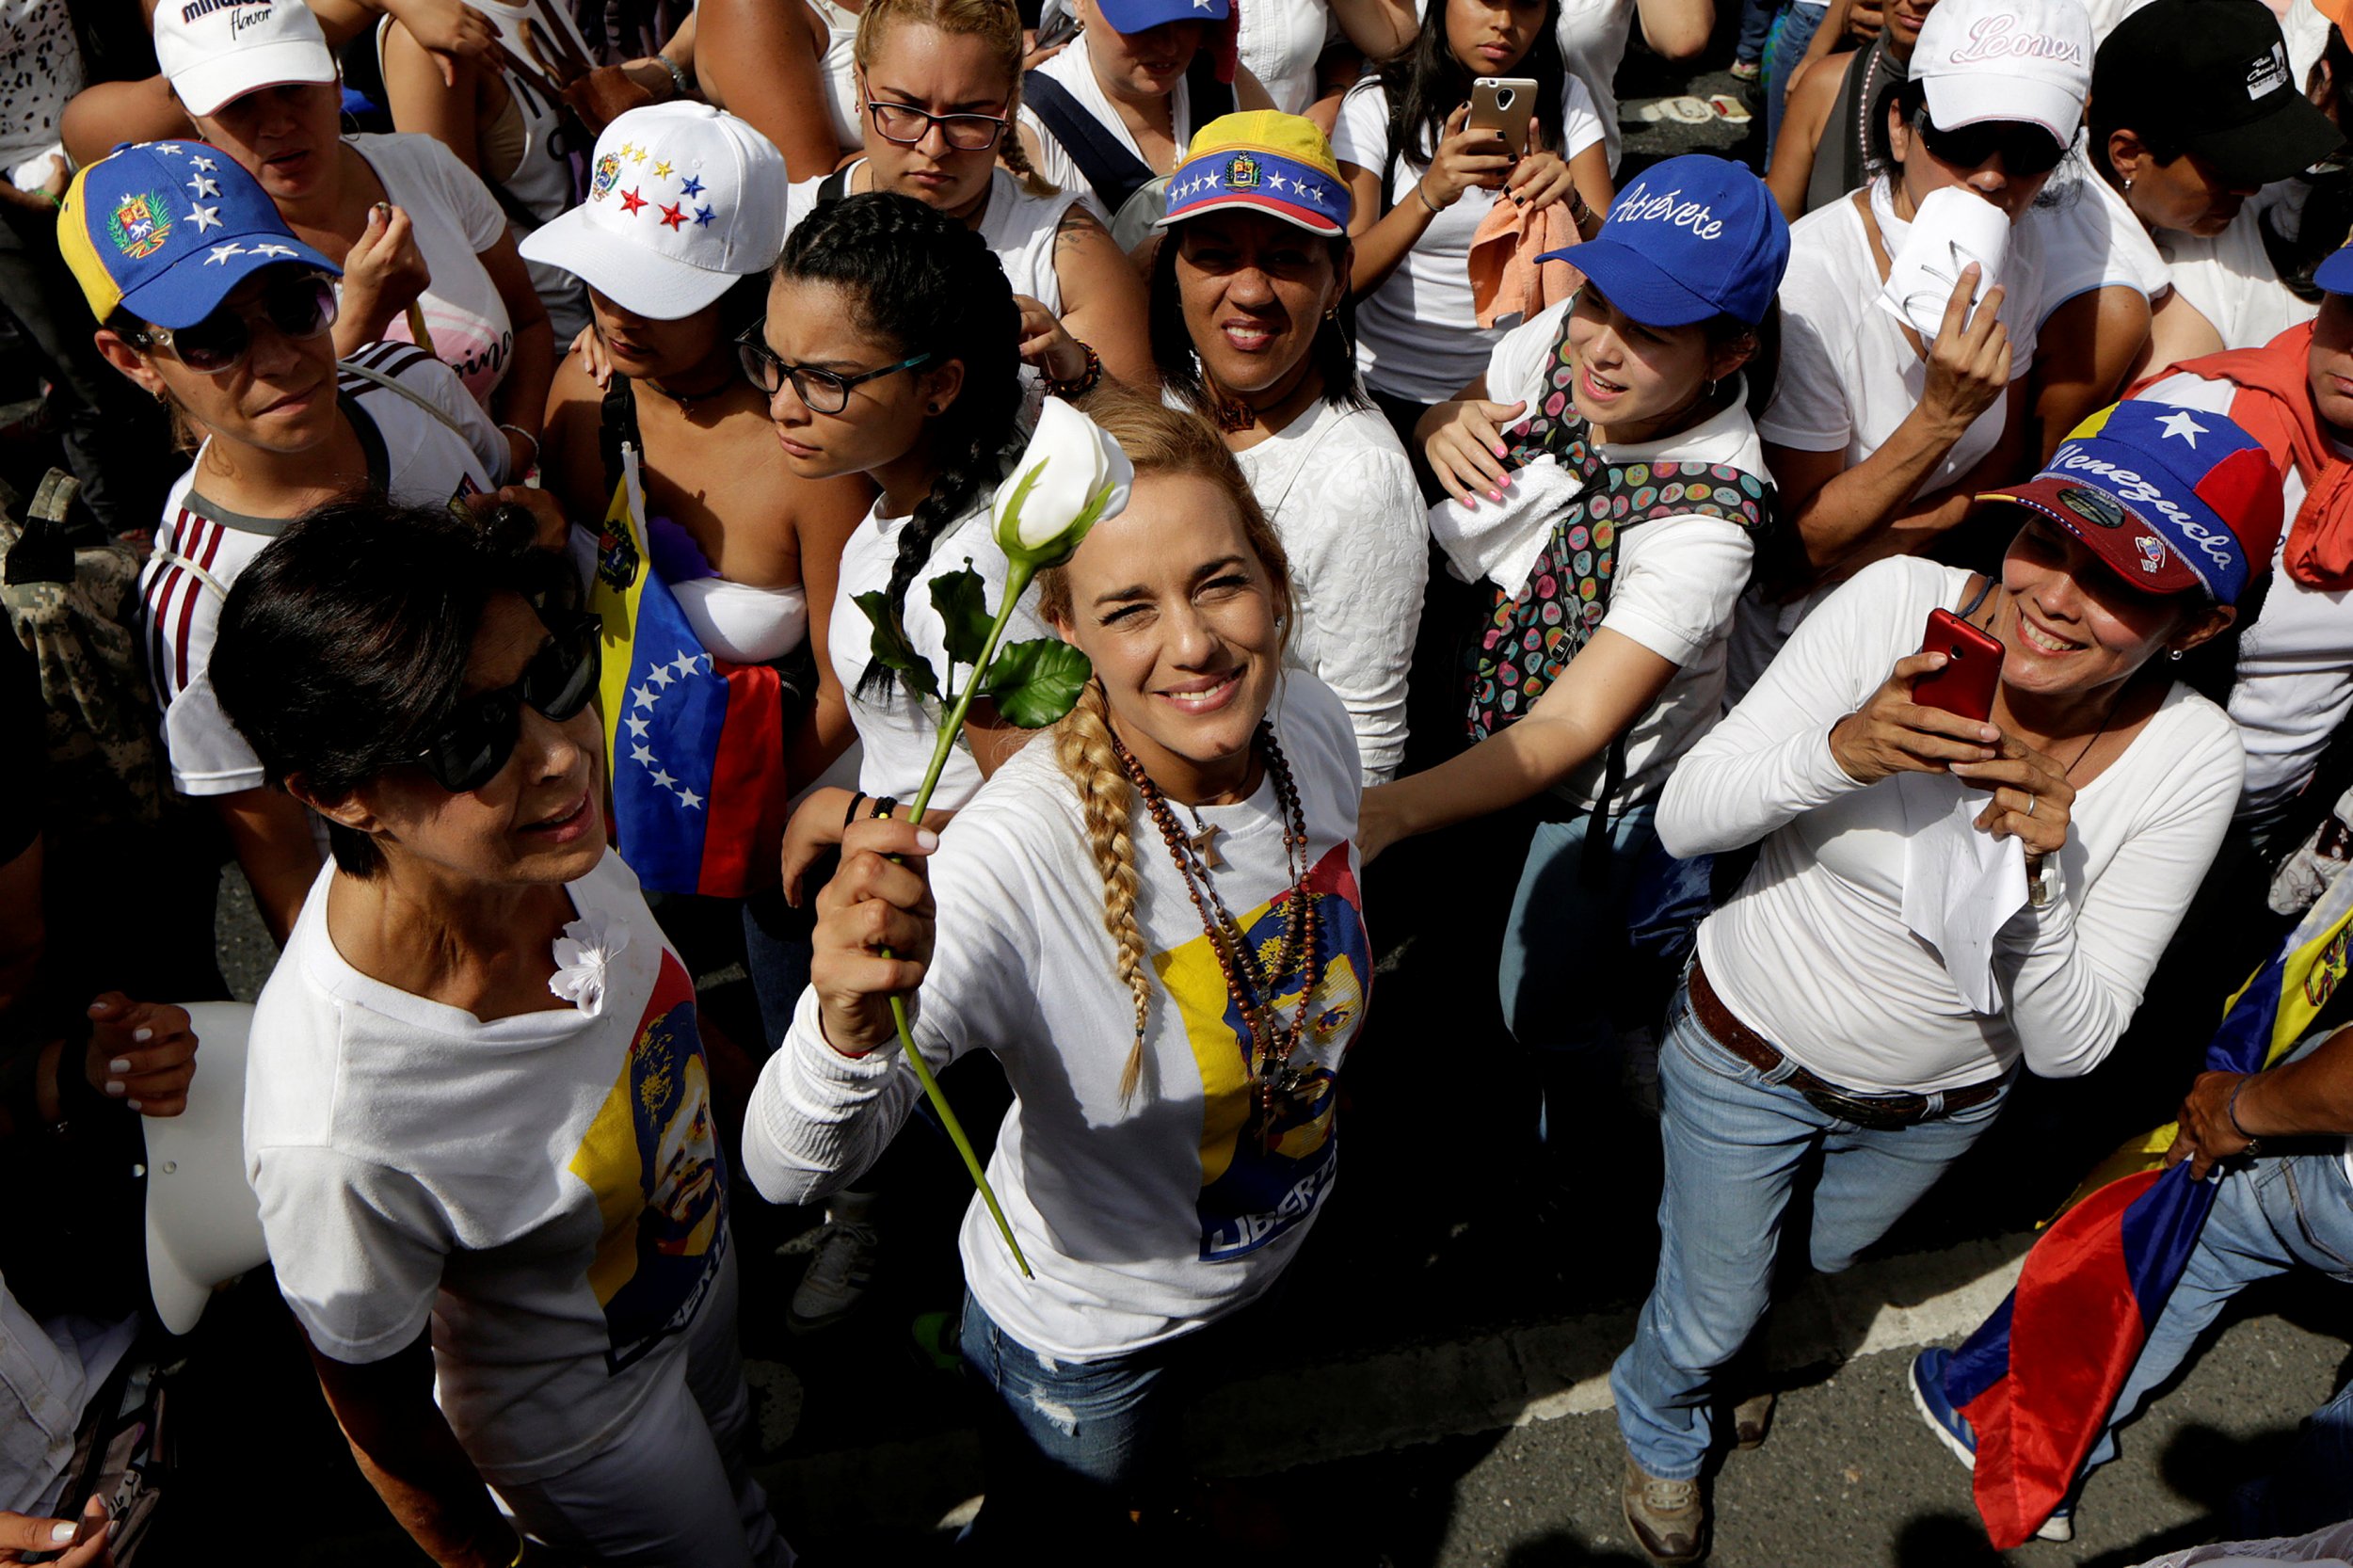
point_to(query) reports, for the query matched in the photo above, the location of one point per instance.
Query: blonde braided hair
(1158, 441)
(1083, 746)
(995, 21)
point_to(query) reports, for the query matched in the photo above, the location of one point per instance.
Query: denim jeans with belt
(2270, 1214)
(1736, 1139)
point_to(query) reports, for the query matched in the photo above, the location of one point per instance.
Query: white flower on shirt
(583, 954)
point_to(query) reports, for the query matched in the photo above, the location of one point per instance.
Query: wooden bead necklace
(1271, 1048)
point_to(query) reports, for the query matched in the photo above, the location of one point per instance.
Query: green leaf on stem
(891, 649)
(1035, 683)
(962, 600)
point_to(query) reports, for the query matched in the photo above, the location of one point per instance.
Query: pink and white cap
(2027, 60)
(217, 50)
(682, 201)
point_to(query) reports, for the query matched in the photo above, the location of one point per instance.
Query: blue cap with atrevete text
(1694, 237)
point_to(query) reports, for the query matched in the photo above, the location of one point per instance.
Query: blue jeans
(1736, 1141)
(1791, 42)
(1064, 1444)
(2270, 1215)
(1566, 939)
(1757, 25)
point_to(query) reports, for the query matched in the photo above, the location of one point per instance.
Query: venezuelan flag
(2038, 1379)
(693, 745)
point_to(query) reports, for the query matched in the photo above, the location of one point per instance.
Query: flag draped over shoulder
(693, 745)
(2038, 1379)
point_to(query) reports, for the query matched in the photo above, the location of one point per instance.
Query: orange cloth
(1505, 277)
(2274, 403)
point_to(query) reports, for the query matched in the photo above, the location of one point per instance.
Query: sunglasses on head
(474, 741)
(2026, 149)
(295, 308)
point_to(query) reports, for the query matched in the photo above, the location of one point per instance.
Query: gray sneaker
(1668, 1518)
(841, 1267)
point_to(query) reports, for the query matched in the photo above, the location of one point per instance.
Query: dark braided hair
(1425, 82)
(924, 283)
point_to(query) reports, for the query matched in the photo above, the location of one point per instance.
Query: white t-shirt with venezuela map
(545, 1191)
(1147, 1217)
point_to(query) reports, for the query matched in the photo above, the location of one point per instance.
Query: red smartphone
(1972, 667)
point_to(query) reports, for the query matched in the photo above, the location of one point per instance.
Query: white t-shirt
(1812, 953)
(2091, 240)
(40, 67)
(545, 1191)
(454, 218)
(1075, 70)
(1848, 375)
(414, 459)
(1281, 40)
(896, 731)
(2230, 278)
(1593, 36)
(1417, 336)
(1143, 1218)
(1675, 579)
(2294, 684)
(838, 71)
(1341, 494)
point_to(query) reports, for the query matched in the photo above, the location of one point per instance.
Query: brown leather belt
(1870, 1110)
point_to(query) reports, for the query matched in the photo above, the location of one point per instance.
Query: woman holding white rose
(1152, 920)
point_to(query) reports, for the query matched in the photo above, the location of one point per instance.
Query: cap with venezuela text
(166, 229)
(2173, 499)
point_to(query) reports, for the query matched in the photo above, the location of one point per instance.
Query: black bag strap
(1112, 171)
(616, 424)
(834, 186)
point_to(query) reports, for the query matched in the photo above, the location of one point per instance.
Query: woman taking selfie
(1839, 1027)
(1590, 705)
(1247, 301)
(480, 1121)
(1150, 917)
(243, 355)
(746, 549)
(1421, 180)
(408, 224)
(941, 81)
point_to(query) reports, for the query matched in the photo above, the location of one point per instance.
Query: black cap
(2213, 76)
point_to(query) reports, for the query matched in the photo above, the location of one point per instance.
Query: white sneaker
(840, 1269)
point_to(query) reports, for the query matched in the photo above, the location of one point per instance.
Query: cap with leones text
(683, 199)
(1265, 162)
(2027, 60)
(215, 50)
(2212, 78)
(2170, 499)
(1694, 237)
(166, 229)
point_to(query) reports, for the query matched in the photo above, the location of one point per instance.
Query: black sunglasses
(474, 742)
(2027, 150)
(295, 308)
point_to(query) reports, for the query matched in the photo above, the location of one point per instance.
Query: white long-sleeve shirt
(1812, 953)
(1143, 1217)
(1341, 494)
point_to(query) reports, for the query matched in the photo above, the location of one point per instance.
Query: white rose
(1071, 476)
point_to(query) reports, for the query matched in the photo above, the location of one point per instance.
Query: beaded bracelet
(1081, 383)
(884, 805)
(678, 74)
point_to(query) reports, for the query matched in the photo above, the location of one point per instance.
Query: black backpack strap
(1112, 171)
(834, 186)
(1205, 97)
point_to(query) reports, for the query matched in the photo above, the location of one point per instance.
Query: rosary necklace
(1270, 1046)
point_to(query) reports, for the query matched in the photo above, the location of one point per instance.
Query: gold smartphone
(1505, 104)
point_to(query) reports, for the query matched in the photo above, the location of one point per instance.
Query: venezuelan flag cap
(1262, 162)
(2171, 499)
(165, 230)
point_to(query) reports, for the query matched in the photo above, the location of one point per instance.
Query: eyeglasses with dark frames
(907, 126)
(825, 392)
